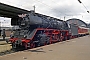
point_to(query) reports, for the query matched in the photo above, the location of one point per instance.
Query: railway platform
(74, 49)
(1, 38)
(4, 46)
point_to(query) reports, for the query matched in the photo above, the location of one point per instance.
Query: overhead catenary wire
(51, 7)
(58, 4)
(64, 15)
(62, 7)
(83, 5)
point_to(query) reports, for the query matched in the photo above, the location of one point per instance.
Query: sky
(55, 8)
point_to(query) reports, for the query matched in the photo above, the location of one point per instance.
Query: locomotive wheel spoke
(50, 42)
(61, 39)
(32, 45)
(45, 43)
(58, 39)
(25, 45)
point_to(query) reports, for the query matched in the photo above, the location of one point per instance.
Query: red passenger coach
(82, 31)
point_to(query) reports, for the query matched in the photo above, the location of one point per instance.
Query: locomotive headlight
(18, 42)
(25, 36)
(11, 36)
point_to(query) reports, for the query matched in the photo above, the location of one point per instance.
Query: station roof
(76, 21)
(10, 11)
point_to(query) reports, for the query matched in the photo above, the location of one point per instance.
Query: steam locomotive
(37, 30)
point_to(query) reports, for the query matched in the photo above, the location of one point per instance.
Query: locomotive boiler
(37, 29)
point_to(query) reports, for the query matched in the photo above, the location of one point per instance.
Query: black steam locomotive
(37, 29)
